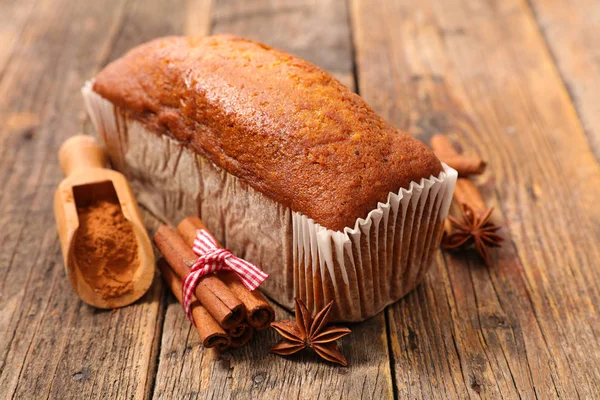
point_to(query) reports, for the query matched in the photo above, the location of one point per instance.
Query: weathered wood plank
(186, 370)
(571, 29)
(144, 21)
(529, 327)
(51, 344)
(317, 31)
(13, 19)
(198, 17)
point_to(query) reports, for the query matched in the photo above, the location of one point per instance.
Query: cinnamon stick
(442, 146)
(213, 294)
(239, 330)
(211, 333)
(259, 312)
(244, 334)
(463, 164)
(467, 193)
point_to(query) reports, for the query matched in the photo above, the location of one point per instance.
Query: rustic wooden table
(516, 81)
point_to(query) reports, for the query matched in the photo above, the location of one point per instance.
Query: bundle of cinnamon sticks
(225, 312)
(466, 165)
(476, 227)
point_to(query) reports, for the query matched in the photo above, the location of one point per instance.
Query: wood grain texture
(571, 29)
(528, 327)
(198, 16)
(498, 77)
(187, 370)
(13, 19)
(318, 31)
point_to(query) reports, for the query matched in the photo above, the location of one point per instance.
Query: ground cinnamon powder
(106, 249)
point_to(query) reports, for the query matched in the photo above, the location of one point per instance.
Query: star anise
(311, 332)
(473, 229)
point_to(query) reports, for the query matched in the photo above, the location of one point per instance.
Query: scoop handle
(80, 152)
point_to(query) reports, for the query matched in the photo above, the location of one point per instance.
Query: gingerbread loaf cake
(286, 166)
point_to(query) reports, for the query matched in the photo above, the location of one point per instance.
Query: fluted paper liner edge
(363, 268)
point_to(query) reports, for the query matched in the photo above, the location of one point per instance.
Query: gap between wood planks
(570, 30)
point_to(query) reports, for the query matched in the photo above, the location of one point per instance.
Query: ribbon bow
(212, 258)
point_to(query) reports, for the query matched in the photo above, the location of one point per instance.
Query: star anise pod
(473, 229)
(311, 332)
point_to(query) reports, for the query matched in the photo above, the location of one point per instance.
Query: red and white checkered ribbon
(212, 258)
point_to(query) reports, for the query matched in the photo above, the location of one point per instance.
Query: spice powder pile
(106, 249)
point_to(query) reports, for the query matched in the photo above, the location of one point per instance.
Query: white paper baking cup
(363, 268)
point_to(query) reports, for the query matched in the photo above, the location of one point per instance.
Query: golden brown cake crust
(277, 122)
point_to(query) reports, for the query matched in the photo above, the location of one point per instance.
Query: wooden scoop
(86, 184)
